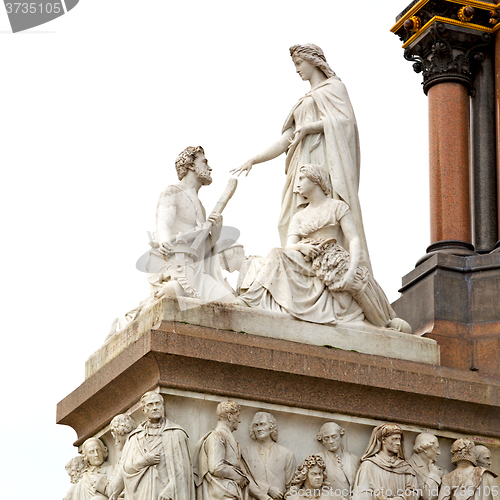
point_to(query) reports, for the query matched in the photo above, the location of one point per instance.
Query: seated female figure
(315, 278)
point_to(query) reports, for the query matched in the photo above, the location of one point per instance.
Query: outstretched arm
(273, 151)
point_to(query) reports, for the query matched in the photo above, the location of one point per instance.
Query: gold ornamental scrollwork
(473, 14)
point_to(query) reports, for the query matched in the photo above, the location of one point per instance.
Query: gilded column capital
(447, 39)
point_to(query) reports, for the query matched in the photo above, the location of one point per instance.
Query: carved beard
(205, 177)
(464, 454)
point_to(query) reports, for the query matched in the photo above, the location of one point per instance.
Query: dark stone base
(449, 247)
(238, 365)
(456, 301)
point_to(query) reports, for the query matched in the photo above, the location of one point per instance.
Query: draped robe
(145, 480)
(287, 283)
(218, 467)
(336, 148)
(389, 479)
(85, 488)
(341, 476)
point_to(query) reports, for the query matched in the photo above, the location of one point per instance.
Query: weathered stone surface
(239, 365)
(360, 337)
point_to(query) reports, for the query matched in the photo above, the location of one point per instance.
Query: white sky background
(95, 107)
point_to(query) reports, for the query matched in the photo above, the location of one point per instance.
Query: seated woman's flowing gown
(289, 283)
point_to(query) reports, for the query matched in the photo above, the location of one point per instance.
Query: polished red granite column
(449, 165)
(452, 294)
(497, 106)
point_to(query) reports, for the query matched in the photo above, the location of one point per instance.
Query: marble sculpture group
(322, 273)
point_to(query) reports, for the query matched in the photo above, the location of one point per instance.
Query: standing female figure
(321, 129)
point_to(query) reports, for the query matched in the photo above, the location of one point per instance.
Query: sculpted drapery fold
(336, 148)
(144, 480)
(218, 467)
(390, 479)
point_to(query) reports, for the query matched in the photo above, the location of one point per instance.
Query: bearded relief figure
(468, 481)
(183, 261)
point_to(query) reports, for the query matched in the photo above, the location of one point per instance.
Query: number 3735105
(33, 8)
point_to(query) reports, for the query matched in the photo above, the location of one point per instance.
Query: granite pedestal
(456, 301)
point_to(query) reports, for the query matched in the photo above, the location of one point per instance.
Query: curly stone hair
(300, 474)
(463, 449)
(122, 422)
(185, 161)
(272, 424)
(314, 55)
(79, 467)
(226, 408)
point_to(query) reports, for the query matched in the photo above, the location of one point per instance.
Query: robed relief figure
(483, 456)
(320, 129)
(423, 462)
(155, 463)
(95, 482)
(220, 472)
(384, 472)
(341, 466)
(271, 464)
(468, 481)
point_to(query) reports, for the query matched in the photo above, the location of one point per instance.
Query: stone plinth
(359, 337)
(228, 364)
(456, 301)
